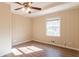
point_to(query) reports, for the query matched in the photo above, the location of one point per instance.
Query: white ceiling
(47, 7)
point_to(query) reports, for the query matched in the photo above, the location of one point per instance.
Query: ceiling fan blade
(36, 8)
(18, 3)
(19, 8)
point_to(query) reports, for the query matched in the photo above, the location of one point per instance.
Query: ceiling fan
(28, 6)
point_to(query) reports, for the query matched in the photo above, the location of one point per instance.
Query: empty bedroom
(39, 29)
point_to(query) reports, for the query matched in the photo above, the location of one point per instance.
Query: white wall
(5, 29)
(69, 29)
(21, 28)
(14, 29)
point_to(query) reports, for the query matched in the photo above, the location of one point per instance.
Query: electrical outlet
(53, 41)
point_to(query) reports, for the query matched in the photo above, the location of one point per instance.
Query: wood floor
(42, 50)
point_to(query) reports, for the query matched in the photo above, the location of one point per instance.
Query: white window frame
(53, 19)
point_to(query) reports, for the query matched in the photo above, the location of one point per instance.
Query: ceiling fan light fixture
(30, 4)
(23, 9)
(28, 9)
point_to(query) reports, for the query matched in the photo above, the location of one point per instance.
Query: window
(53, 27)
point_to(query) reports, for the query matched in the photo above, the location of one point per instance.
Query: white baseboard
(59, 45)
(66, 47)
(20, 42)
(72, 48)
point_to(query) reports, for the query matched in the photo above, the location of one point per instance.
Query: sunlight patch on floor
(34, 48)
(29, 49)
(25, 50)
(16, 52)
